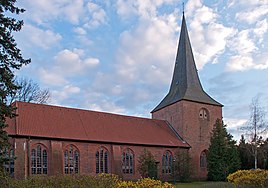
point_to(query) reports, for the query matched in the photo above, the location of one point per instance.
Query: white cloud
(239, 63)
(234, 123)
(51, 78)
(71, 62)
(242, 43)
(144, 9)
(253, 14)
(80, 31)
(97, 14)
(44, 11)
(38, 37)
(64, 93)
(242, 63)
(67, 64)
(76, 12)
(247, 52)
(143, 55)
(260, 29)
(208, 37)
(105, 106)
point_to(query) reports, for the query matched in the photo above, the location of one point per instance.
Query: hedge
(249, 178)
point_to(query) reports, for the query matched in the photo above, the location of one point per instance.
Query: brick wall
(87, 157)
(184, 117)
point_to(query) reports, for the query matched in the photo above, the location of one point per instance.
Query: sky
(118, 55)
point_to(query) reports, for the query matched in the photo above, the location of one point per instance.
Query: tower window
(203, 114)
(203, 160)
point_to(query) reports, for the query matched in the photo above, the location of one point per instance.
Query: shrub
(144, 183)
(147, 165)
(182, 166)
(80, 181)
(249, 178)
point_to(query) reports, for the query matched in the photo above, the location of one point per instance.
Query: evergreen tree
(10, 60)
(147, 165)
(182, 166)
(247, 160)
(223, 157)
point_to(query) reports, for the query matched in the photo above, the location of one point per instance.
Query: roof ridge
(81, 109)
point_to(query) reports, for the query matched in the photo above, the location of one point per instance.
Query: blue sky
(118, 55)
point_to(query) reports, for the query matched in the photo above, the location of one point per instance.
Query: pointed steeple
(185, 82)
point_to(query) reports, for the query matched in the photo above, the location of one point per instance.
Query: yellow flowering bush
(144, 183)
(252, 178)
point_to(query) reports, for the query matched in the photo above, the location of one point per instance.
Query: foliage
(10, 60)
(255, 128)
(247, 160)
(263, 155)
(147, 165)
(81, 181)
(182, 166)
(205, 184)
(249, 178)
(29, 91)
(144, 183)
(223, 157)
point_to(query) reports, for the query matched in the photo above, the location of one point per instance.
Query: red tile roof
(40, 120)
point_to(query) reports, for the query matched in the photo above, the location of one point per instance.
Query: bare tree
(256, 127)
(30, 91)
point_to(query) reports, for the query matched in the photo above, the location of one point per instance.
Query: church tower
(188, 108)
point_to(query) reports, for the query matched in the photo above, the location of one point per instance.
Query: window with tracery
(9, 164)
(203, 160)
(71, 160)
(102, 161)
(39, 160)
(167, 160)
(203, 114)
(128, 162)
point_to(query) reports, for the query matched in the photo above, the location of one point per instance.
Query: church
(52, 140)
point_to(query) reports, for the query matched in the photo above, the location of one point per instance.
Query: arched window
(39, 160)
(203, 114)
(9, 164)
(128, 161)
(102, 161)
(203, 160)
(71, 160)
(167, 160)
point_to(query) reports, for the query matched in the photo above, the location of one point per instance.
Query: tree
(28, 91)
(223, 157)
(247, 160)
(263, 155)
(182, 165)
(255, 127)
(10, 59)
(147, 164)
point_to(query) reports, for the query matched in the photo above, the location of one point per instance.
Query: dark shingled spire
(185, 82)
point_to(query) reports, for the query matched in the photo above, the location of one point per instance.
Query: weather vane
(182, 7)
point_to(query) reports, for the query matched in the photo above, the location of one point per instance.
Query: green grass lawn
(204, 185)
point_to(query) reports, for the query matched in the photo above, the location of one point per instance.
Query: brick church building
(57, 140)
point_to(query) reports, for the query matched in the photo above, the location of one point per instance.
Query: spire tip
(183, 8)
